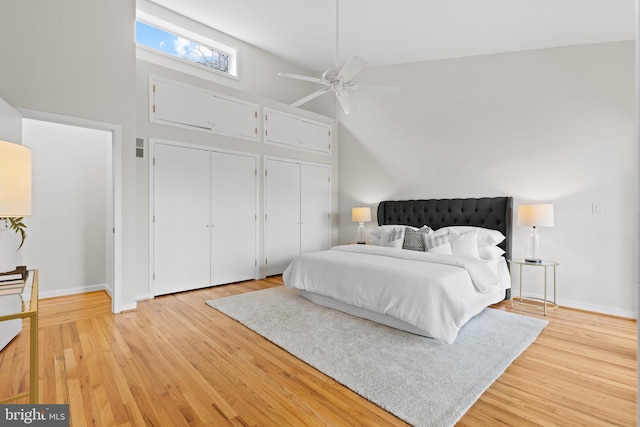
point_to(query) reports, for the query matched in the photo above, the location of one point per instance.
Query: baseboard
(595, 308)
(72, 291)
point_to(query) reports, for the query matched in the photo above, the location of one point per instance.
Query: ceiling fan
(338, 80)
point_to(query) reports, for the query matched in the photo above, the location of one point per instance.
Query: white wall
(71, 194)
(552, 125)
(77, 58)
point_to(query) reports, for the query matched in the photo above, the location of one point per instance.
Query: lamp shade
(361, 214)
(539, 215)
(15, 180)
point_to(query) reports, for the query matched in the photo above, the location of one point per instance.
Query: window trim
(158, 57)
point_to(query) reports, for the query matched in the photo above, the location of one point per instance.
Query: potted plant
(8, 251)
(18, 226)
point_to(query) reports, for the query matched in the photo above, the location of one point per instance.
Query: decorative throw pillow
(435, 238)
(414, 239)
(394, 238)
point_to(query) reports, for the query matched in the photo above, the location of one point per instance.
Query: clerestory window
(170, 41)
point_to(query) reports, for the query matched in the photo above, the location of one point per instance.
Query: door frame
(117, 290)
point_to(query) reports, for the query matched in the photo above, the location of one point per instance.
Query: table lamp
(15, 193)
(537, 215)
(361, 215)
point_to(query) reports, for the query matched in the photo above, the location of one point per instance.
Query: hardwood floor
(177, 362)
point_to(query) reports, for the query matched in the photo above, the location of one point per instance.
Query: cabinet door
(181, 219)
(282, 214)
(234, 118)
(281, 128)
(182, 105)
(315, 208)
(233, 218)
(314, 136)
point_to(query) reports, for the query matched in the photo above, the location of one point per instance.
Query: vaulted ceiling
(401, 31)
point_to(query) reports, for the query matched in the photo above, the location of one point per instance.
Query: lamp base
(533, 260)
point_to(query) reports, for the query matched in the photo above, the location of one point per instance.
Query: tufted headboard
(489, 212)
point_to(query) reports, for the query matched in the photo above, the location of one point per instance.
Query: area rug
(420, 380)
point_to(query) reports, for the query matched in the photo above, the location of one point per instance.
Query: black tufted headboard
(489, 212)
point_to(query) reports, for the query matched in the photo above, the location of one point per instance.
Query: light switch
(596, 209)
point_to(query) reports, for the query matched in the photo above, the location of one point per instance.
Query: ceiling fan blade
(353, 66)
(310, 97)
(306, 78)
(381, 89)
(345, 101)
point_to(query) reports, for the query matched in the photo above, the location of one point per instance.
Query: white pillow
(464, 244)
(486, 236)
(444, 249)
(490, 252)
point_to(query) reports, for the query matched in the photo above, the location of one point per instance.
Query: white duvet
(436, 293)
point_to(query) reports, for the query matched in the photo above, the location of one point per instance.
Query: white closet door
(233, 218)
(315, 208)
(282, 214)
(181, 211)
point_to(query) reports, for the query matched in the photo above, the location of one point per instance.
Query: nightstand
(544, 265)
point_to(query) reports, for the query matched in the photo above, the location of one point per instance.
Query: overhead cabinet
(176, 104)
(204, 218)
(295, 131)
(297, 211)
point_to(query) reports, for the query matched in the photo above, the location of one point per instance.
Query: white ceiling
(388, 32)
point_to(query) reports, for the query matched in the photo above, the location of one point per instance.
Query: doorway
(74, 231)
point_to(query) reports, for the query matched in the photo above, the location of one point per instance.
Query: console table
(29, 311)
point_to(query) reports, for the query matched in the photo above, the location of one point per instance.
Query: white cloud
(181, 46)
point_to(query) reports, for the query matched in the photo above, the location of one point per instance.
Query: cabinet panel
(315, 208)
(234, 118)
(315, 136)
(233, 218)
(280, 128)
(182, 105)
(296, 132)
(181, 219)
(177, 104)
(282, 214)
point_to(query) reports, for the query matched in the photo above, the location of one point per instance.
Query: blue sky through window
(180, 47)
(156, 38)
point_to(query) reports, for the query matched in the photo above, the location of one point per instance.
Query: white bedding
(435, 293)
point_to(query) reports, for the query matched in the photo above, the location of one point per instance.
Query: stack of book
(13, 282)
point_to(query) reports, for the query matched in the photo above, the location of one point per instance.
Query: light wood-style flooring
(175, 361)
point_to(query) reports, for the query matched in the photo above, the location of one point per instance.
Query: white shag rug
(422, 381)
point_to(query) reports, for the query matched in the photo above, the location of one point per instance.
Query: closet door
(315, 208)
(181, 219)
(282, 214)
(233, 218)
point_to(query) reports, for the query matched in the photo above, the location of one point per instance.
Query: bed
(427, 291)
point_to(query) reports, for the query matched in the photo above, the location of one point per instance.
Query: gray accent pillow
(414, 240)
